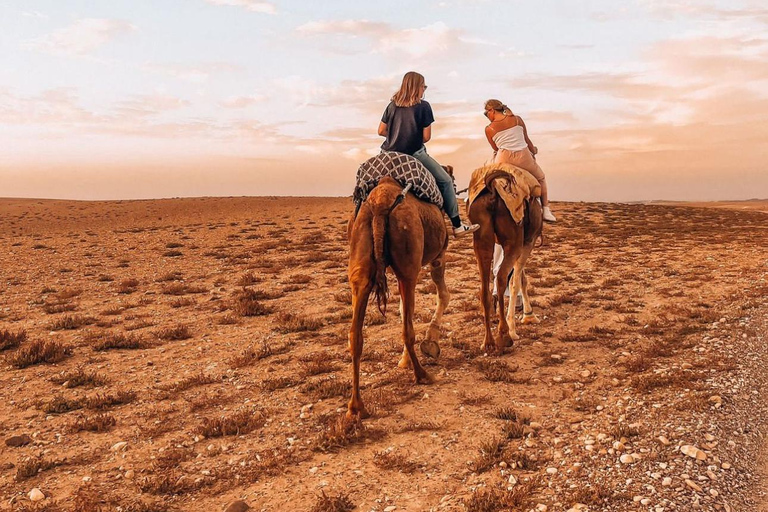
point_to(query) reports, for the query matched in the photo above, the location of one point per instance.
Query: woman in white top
(509, 139)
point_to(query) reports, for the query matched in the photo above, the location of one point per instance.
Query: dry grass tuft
(521, 497)
(247, 279)
(71, 322)
(31, 467)
(9, 340)
(289, 322)
(197, 379)
(176, 333)
(238, 423)
(326, 388)
(111, 341)
(246, 303)
(102, 401)
(394, 462)
(79, 377)
(97, 423)
(255, 354)
(60, 404)
(39, 351)
(334, 503)
(342, 431)
(127, 286)
(182, 289)
(495, 370)
(491, 453)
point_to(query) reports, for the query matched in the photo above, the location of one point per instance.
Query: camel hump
(401, 168)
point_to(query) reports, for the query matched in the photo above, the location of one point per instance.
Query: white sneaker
(465, 228)
(547, 215)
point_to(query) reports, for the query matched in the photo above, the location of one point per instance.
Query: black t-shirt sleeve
(426, 114)
(386, 117)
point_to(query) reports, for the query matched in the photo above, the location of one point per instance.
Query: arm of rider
(533, 149)
(383, 129)
(427, 133)
(489, 135)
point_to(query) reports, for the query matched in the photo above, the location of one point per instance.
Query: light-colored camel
(404, 234)
(517, 240)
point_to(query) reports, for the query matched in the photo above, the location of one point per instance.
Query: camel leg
(408, 296)
(483, 245)
(429, 346)
(506, 336)
(528, 316)
(360, 293)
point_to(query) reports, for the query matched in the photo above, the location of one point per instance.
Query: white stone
(122, 445)
(36, 495)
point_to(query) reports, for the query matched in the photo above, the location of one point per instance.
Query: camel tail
(380, 221)
(532, 222)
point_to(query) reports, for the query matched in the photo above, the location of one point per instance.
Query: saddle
(403, 168)
(515, 187)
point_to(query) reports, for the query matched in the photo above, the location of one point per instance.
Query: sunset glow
(652, 99)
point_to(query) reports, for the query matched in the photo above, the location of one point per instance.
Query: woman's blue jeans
(444, 182)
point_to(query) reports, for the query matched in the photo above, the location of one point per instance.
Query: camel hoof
(357, 413)
(425, 379)
(430, 348)
(506, 340)
(530, 319)
(405, 362)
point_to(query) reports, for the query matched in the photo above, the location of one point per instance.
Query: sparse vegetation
(38, 352)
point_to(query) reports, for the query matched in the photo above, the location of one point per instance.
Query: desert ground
(180, 355)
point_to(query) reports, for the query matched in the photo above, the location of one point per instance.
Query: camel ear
(449, 170)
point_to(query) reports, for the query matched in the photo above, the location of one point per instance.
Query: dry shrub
(113, 311)
(171, 482)
(418, 426)
(198, 379)
(170, 276)
(374, 318)
(289, 322)
(10, 339)
(495, 370)
(182, 302)
(247, 279)
(59, 404)
(71, 322)
(491, 453)
(227, 319)
(279, 383)
(246, 303)
(97, 423)
(394, 462)
(299, 279)
(127, 286)
(664, 380)
(104, 278)
(513, 430)
(594, 495)
(39, 351)
(570, 337)
(318, 367)
(58, 307)
(101, 401)
(328, 387)
(637, 364)
(235, 424)
(335, 503)
(182, 289)
(79, 377)
(173, 254)
(28, 468)
(342, 431)
(344, 297)
(173, 245)
(68, 293)
(111, 341)
(625, 430)
(521, 497)
(171, 458)
(253, 354)
(176, 333)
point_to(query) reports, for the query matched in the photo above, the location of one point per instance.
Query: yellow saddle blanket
(514, 188)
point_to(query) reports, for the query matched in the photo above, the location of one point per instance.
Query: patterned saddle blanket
(404, 169)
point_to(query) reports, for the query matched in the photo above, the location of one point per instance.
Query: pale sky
(636, 100)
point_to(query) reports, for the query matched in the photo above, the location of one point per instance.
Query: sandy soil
(183, 354)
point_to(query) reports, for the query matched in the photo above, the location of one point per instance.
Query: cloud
(385, 39)
(82, 37)
(195, 73)
(242, 101)
(250, 5)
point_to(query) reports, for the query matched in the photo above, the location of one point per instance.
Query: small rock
(36, 495)
(666, 482)
(130, 474)
(117, 447)
(627, 459)
(16, 441)
(663, 440)
(390, 508)
(725, 465)
(693, 452)
(551, 471)
(693, 485)
(237, 506)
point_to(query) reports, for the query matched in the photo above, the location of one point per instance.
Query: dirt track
(652, 338)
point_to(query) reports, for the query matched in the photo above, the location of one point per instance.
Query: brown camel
(517, 240)
(404, 234)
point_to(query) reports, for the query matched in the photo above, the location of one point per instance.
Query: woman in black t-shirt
(407, 126)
